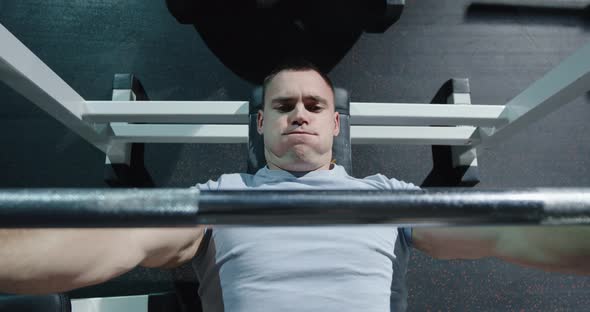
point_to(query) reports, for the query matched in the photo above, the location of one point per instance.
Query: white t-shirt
(315, 268)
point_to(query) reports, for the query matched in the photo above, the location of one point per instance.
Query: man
(328, 268)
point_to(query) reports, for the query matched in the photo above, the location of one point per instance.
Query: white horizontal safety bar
(236, 112)
(414, 135)
(404, 114)
(177, 133)
(182, 112)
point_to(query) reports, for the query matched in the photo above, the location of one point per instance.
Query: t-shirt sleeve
(208, 186)
(406, 232)
(401, 185)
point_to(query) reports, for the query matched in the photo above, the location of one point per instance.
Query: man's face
(299, 122)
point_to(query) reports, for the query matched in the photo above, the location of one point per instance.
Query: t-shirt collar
(266, 172)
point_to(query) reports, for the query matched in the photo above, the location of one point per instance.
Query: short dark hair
(293, 65)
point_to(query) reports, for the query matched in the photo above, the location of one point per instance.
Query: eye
(284, 108)
(314, 108)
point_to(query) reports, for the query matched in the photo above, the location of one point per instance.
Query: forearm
(551, 248)
(562, 249)
(54, 260)
(51, 260)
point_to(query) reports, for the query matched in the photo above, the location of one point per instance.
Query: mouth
(298, 132)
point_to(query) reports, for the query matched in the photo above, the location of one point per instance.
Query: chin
(298, 158)
(302, 163)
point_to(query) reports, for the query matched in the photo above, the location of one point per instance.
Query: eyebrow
(316, 98)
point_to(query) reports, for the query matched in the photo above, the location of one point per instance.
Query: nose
(299, 115)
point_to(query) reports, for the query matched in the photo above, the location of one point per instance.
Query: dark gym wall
(501, 50)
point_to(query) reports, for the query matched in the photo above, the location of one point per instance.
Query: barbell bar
(103, 208)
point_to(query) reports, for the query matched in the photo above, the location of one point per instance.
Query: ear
(336, 130)
(260, 121)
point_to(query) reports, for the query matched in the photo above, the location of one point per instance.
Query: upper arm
(456, 243)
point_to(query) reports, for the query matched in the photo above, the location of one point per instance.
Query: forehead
(296, 83)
